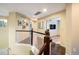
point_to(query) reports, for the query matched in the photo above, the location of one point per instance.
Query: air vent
(37, 13)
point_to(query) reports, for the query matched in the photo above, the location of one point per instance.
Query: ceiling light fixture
(45, 10)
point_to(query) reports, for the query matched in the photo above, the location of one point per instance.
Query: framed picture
(52, 26)
(22, 23)
(3, 23)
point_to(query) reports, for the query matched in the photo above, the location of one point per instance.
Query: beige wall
(12, 21)
(12, 35)
(71, 29)
(66, 29)
(4, 40)
(75, 28)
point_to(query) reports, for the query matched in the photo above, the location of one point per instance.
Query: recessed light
(45, 10)
(25, 20)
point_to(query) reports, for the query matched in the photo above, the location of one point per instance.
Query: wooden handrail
(39, 32)
(30, 31)
(36, 32)
(23, 30)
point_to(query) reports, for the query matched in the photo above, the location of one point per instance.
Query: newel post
(47, 41)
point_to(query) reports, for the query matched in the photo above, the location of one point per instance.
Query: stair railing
(47, 39)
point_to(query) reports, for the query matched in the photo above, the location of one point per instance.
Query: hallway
(23, 29)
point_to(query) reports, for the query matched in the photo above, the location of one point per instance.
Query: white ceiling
(29, 9)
